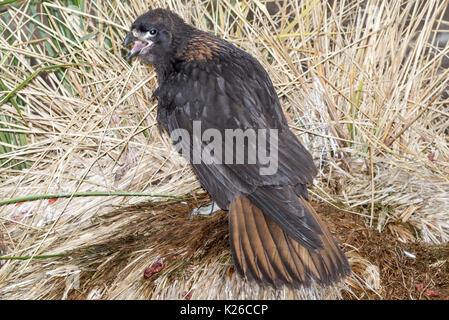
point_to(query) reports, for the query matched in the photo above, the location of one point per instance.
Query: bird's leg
(205, 211)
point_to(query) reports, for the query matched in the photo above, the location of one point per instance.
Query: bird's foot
(204, 211)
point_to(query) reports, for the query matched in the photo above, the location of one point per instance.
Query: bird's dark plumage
(276, 236)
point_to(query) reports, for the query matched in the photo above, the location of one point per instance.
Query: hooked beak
(138, 45)
(129, 38)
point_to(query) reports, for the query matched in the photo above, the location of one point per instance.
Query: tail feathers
(264, 253)
(284, 207)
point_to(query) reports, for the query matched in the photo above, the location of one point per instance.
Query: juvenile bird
(207, 88)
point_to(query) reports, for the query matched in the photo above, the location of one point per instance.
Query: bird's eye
(153, 32)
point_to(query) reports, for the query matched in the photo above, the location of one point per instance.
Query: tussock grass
(364, 85)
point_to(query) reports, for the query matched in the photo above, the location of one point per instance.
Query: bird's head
(156, 36)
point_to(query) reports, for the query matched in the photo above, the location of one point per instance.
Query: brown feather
(263, 252)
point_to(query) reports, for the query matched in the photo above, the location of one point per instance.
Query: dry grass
(364, 85)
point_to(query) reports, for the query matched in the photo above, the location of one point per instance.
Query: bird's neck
(167, 64)
(163, 70)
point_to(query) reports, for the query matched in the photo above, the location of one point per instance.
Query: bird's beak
(138, 45)
(129, 38)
